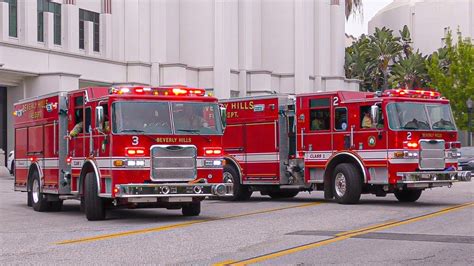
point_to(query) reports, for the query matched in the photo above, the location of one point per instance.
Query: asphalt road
(438, 229)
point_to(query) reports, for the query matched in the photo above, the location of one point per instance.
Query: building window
(85, 15)
(55, 8)
(13, 17)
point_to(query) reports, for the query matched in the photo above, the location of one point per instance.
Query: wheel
(282, 194)
(193, 209)
(347, 184)
(240, 192)
(408, 195)
(94, 205)
(38, 199)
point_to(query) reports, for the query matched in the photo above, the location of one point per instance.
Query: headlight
(410, 154)
(135, 163)
(212, 163)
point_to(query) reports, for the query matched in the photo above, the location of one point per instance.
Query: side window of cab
(319, 114)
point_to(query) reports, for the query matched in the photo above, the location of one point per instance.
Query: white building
(428, 20)
(230, 47)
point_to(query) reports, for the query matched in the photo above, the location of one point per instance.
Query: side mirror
(374, 114)
(99, 118)
(223, 117)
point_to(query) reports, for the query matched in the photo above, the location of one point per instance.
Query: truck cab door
(101, 139)
(76, 115)
(314, 133)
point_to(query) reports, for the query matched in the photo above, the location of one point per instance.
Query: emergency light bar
(412, 93)
(173, 91)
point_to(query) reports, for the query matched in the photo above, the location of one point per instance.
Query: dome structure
(428, 20)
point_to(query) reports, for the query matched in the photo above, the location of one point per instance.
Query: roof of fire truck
(170, 93)
(399, 94)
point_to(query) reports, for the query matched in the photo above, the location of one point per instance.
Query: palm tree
(410, 72)
(353, 7)
(406, 41)
(383, 48)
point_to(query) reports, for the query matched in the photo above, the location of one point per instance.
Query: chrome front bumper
(169, 190)
(433, 178)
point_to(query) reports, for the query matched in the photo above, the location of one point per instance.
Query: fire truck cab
(343, 143)
(127, 146)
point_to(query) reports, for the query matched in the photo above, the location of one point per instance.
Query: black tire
(240, 192)
(29, 198)
(349, 175)
(39, 201)
(193, 209)
(283, 194)
(408, 195)
(94, 205)
(82, 206)
(12, 169)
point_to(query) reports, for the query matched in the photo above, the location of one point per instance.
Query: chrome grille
(431, 154)
(173, 162)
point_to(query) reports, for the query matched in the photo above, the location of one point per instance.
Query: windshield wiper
(131, 130)
(189, 130)
(410, 128)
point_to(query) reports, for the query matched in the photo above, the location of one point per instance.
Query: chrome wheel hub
(228, 178)
(340, 184)
(35, 191)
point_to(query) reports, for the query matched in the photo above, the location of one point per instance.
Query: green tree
(383, 48)
(406, 41)
(451, 70)
(410, 71)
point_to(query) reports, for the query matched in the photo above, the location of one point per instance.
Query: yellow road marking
(365, 228)
(345, 235)
(179, 225)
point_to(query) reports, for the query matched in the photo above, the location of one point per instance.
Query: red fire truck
(344, 143)
(127, 146)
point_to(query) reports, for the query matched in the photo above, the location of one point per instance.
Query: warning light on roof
(412, 93)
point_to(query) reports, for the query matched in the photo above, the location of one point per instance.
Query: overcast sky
(356, 25)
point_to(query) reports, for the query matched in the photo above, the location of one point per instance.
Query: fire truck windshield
(420, 116)
(155, 118)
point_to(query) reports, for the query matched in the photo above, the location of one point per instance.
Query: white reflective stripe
(50, 163)
(254, 157)
(402, 161)
(101, 163)
(257, 157)
(451, 161)
(22, 163)
(107, 162)
(372, 154)
(264, 162)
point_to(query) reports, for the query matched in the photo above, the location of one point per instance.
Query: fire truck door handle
(91, 141)
(54, 137)
(352, 136)
(276, 135)
(302, 138)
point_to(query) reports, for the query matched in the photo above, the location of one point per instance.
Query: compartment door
(262, 153)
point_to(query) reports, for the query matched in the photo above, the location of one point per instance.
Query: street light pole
(469, 121)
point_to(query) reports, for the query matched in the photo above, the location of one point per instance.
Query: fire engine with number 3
(343, 143)
(127, 146)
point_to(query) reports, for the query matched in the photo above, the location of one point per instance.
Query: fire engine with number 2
(343, 143)
(127, 146)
